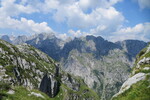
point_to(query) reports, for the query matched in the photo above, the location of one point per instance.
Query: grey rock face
(132, 47)
(103, 65)
(104, 75)
(23, 65)
(20, 40)
(70, 82)
(49, 86)
(48, 44)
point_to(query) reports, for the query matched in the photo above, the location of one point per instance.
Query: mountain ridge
(102, 64)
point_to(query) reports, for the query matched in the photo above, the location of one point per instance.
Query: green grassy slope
(141, 89)
(32, 64)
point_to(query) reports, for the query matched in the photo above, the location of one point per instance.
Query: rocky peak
(43, 36)
(20, 39)
(130, 45)
(6, 38)
(91, 37)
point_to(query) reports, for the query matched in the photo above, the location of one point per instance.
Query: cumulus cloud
(9, 9)
(23, 24)
(46, 6)
(139, 31)
(97, 17)
(144, 3)
(75, 33)
(75, 17)
(86, 4)
(109, 20)
(62, 36)
(70, 11)
(42, 6)
(72, 34)
(33, 27)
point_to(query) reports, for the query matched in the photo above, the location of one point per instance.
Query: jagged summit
(6, 38)
(91, 37)
(130, 45)
(43, 36)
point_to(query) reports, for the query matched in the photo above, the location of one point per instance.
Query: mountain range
(103, 65)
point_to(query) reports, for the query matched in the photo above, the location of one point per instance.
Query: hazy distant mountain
(102, 64)
(6, 38)
(14, 40)
(47, 43)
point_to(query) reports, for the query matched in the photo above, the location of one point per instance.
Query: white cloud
(78, 33)
(42, 6)
(62, 36)
(108, 20)
(139, 32)
(144, 3)
(28, 26)
(75, 33)
(48, 6)
(99, 17)
(86, 4)
(75, 17)
(33, 27)
(70, 11)
(10, 8)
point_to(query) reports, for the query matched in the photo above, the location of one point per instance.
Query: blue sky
(112, 19)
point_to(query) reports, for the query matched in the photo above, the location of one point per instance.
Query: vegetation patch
(138, 91)
(9, 70)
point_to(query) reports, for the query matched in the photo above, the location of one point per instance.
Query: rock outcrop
(49, 85)
(137, 86)
(26, 68)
